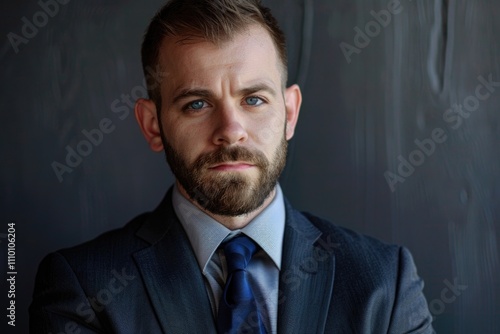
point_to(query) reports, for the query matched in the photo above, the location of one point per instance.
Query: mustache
(231, 154)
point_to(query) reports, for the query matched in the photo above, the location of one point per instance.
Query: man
(223, 116)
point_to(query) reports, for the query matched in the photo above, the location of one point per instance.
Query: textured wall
(397, 137)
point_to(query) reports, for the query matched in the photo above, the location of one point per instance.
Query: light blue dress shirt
(206, 234)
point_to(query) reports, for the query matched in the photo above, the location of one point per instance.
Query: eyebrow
(205, 93)
(260, 87)
(185, 93)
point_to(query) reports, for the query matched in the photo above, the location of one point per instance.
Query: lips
(232, 166)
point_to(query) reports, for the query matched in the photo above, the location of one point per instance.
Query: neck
(231, 222)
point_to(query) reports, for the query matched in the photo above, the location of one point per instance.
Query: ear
(293, 100)
(145, 113)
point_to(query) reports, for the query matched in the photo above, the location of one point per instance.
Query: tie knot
(239, 252)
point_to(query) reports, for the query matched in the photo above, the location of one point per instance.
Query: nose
(229, 128)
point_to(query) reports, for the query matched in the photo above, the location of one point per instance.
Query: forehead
(250, 54)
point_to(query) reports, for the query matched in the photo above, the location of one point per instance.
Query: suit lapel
(306, 277)
(172, 276)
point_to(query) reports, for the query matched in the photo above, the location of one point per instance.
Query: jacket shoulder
(115, 241)
(350, 240)
(358, 256)
(374, 278)
(112, 250)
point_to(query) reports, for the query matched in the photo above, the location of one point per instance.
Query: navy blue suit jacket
(144, 278)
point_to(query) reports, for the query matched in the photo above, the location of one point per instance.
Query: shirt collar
(206, 234)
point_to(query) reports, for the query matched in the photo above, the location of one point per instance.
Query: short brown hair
(216, 21)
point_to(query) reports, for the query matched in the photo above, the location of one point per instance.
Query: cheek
(172, 128)
(269, 133)
(186, 141)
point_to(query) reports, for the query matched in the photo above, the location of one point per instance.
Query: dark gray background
(357, 119)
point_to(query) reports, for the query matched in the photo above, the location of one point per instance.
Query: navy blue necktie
(237, 308)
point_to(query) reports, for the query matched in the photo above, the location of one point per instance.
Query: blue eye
(253, 101)
(196, 105)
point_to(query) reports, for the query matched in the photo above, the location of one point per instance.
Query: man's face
(224, 123)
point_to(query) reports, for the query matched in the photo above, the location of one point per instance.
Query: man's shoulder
(139, 233)
(356, 251)
(343, 235)
(122, 237)
(111, 249)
